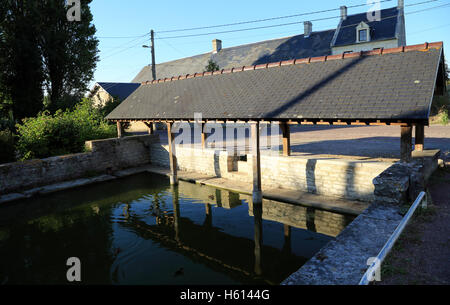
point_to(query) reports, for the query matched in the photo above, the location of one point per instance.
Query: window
(362, 35)
(362, 32)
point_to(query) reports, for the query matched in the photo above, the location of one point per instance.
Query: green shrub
(62, 133)
(7, 150)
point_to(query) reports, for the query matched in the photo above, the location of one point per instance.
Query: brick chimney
(217, 45)
(308, 28)
(343, 12)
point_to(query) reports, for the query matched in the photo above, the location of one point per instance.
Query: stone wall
(402, 182)
(103, 156)
(326, 176)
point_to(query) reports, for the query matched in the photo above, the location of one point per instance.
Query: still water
(140, 230)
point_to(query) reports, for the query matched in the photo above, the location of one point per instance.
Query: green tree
(211, 66)
(40, 49)
(70, 52)
(21, 76)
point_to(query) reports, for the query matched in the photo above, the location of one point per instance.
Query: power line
(123, 37)
(241, 22)
(269, 26)
(278, 25)
(120, 51)
(264, 20)
(246, 29)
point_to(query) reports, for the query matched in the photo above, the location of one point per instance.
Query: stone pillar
(172, 155)
(405, 143)
(420, 137)
(256, 163)
(286, 138)
(119, 130)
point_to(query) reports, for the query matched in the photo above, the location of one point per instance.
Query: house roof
(390, 84)
(379, 30)
(387, 85)
(120, 90)
(317, 44)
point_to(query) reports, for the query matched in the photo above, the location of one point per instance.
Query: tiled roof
(317, 44)
(389, 84)
(379, 30)
(120, 90)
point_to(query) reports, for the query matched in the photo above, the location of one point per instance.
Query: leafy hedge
(62, 133)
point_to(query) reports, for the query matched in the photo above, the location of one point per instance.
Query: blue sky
(122, 58)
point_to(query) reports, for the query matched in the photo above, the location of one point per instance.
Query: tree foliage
(211, 66)
(41, 50)
(70, 52)
(20, 57)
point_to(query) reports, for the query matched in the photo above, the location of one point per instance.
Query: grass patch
(440, 109)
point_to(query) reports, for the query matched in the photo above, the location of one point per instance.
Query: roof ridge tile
(381, 51)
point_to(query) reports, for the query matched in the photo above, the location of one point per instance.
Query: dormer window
(362, 32)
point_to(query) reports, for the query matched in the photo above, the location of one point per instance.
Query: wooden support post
(256, 163)
(420, 137)
(287, 230)
(119, 130)
(405, 143)
(203, 136)
(150, 127)
(172, 155)
(286, 138)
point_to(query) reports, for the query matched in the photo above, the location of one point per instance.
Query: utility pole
(152, 49)
(152, 46)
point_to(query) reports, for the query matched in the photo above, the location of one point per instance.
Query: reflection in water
(141, 230)
(257, 212)
(208, 216)
(287, 239)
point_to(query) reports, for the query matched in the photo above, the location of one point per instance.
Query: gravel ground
(422, 253)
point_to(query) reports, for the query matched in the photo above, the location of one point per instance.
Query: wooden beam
(172, 155)
(203, 136)
(420, 137)
(256, 164)
(149, 126)
(285, 128)
(119, 129)
(405, 143)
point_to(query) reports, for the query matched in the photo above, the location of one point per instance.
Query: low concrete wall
(325, 176)
(104, 156)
